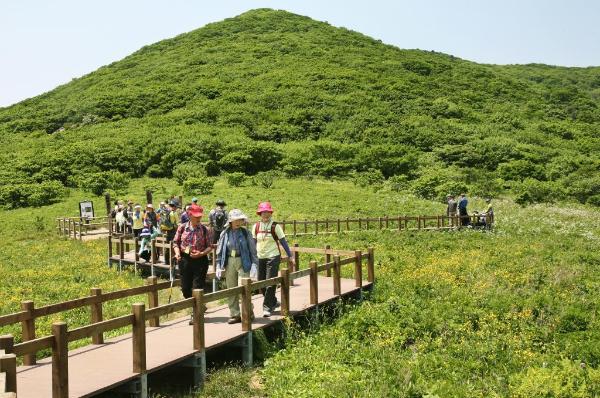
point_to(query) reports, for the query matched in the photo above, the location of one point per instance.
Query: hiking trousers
(234, 272)
(269, 268)
(193, 273)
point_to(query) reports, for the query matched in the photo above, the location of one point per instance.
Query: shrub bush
(186, 170)
(236, 179)
(264, 179)
(198, 186)
(371, 177)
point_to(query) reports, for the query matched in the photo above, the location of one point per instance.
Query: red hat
(196, 211)
(264, 206)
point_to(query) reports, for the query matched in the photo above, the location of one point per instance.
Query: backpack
(220, 219)
(165, 220)
(273, 234)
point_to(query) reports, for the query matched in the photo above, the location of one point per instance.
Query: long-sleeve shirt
(195, 238)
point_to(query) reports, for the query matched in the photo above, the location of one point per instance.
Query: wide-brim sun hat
(264, 206)
(196, 211)
(236, 214)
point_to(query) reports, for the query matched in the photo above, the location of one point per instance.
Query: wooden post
(28, 330)
(8, 365)
(314, 284)
(153, 299)
(138, 337)
(337, 282)
(419, 223)
(199, 343)
(60, 361)
(328, 259)
(326, 225)
(338, 226)
(357, 268)
(247, 305)
(347, 223)
(380, 223)
(110, 248)
(107, 203)
(305, 226)
(367, 223)
(399, 223)
(371, 265)
(387, 222)
(152, 256)
(121, 248)
(294, 228)
(136, 247)
(285, 292)
(96, 310)
(296, 258)
(359, 223)
(316, 227)
(7, 343)
(80, 230)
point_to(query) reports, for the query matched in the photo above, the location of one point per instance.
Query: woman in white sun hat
(236, 256)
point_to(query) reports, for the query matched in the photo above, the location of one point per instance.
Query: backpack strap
(273, 234)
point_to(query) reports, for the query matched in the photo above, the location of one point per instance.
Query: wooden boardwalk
(97, 368)
(128, 361)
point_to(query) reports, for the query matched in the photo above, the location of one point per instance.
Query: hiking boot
(234, 319)
(266, 312)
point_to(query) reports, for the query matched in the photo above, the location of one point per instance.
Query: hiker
(168, 221)
(184, 215)
(129, 222)
(145, 245)
(267, 234)
(489, 213)
(452, 208)
(121, 219)
(150, 219)
(217, 219)
(137, 220)
(191, 246)
(236, 256)
(462, 210)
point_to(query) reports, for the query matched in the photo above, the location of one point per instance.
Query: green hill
(273, 90)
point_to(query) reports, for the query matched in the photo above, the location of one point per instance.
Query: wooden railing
(395, 223)
(61, 335)
(77, 227)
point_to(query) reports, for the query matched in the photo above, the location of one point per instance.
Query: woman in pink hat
(267, 234)
(191, 246)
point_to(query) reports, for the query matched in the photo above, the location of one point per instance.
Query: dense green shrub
(264, 179)
(236, 179)
(24, 195)
(99, 182)
(534, 191)
(370, 178)
(198, 186)
(186, 170)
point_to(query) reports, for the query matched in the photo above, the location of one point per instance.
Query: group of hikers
(459, 208)
(240, 252)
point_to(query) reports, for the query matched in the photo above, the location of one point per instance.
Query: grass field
(512, 313)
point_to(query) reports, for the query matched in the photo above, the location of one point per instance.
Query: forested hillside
(270, 90)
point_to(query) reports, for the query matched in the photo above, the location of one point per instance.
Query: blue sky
(47, 43)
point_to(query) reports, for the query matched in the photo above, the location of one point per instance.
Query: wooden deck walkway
(97, 368)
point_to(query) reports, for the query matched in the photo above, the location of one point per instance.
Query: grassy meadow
(513, 313)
